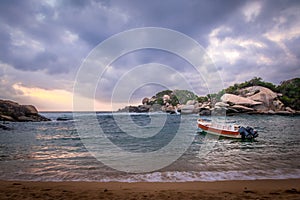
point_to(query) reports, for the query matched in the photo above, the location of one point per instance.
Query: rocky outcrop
(12, 111)
(135, 109)
(232, 99)
(251, 100)
(254, 100)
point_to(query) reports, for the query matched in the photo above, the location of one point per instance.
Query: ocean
(154, 147)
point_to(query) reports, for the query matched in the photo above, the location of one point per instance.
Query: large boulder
(267, 97)
(261, 94)
(238, 100)
(12, 111)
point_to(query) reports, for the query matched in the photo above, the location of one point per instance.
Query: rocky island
(251, 97)
(14, 112)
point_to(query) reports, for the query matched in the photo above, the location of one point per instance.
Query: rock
(169, 109)
(6, 128)
(267, 97)
(231, 110)
(262, 108)
(237, 100)
(278, 105)
(191, 102)
(261, 94)
(221, 111)
(6, 118)
(166, 98)
(155, 108)
(271, 112)
(138, 109)
(242, 108)
(12, 111)
(64, 118)
(283, 112)
(29, 109)
(145, 101)
(221, 104)
(205, 112)
(205, 105)
(290, 110)
(187, 107)
(25, 119)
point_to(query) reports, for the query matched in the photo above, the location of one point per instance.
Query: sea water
(56, 151)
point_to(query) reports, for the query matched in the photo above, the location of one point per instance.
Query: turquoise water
(55, 151)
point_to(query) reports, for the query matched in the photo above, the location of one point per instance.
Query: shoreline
(232, 189)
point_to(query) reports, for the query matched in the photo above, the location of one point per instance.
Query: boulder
(169, 109)
(6, 118)
(205, 105)
(242, 108)
(186, 109)
(237, 100)
(290, 110)
(261, 94)
(278, 105)
(221, 104)
(191, 102)
(29, 109)
(166, 98)
(271, 112)
(64, 118)
(145, 101)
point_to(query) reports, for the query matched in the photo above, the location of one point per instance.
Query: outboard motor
(247, 133)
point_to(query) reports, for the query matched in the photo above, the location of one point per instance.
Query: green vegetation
(184, 95)
(202, 99)
(176, 97)
(290, 91)
(256, 81)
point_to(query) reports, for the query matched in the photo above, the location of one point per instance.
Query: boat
(227, 130)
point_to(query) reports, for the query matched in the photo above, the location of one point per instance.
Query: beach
(242, 189)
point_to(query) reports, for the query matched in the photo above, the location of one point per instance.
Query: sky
(44, 44)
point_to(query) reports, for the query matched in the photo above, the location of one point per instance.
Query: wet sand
(250, 189)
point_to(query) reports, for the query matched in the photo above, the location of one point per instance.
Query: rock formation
(12, 111)
(232, 99)
(246, 99)
(254, 100)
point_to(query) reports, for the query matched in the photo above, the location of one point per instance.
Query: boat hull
(219, 132)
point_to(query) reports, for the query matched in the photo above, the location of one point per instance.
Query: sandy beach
(250, 189)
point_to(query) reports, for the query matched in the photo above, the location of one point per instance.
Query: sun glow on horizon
(54, 100)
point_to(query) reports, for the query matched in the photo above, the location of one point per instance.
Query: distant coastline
(251, 97)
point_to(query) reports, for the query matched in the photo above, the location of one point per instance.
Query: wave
(175, 176)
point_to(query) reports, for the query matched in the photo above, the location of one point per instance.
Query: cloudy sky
(44, 43)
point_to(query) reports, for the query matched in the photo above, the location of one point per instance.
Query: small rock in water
(5, 127)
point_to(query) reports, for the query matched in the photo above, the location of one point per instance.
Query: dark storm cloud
(244, 38)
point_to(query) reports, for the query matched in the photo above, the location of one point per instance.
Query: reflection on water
(53, 151)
